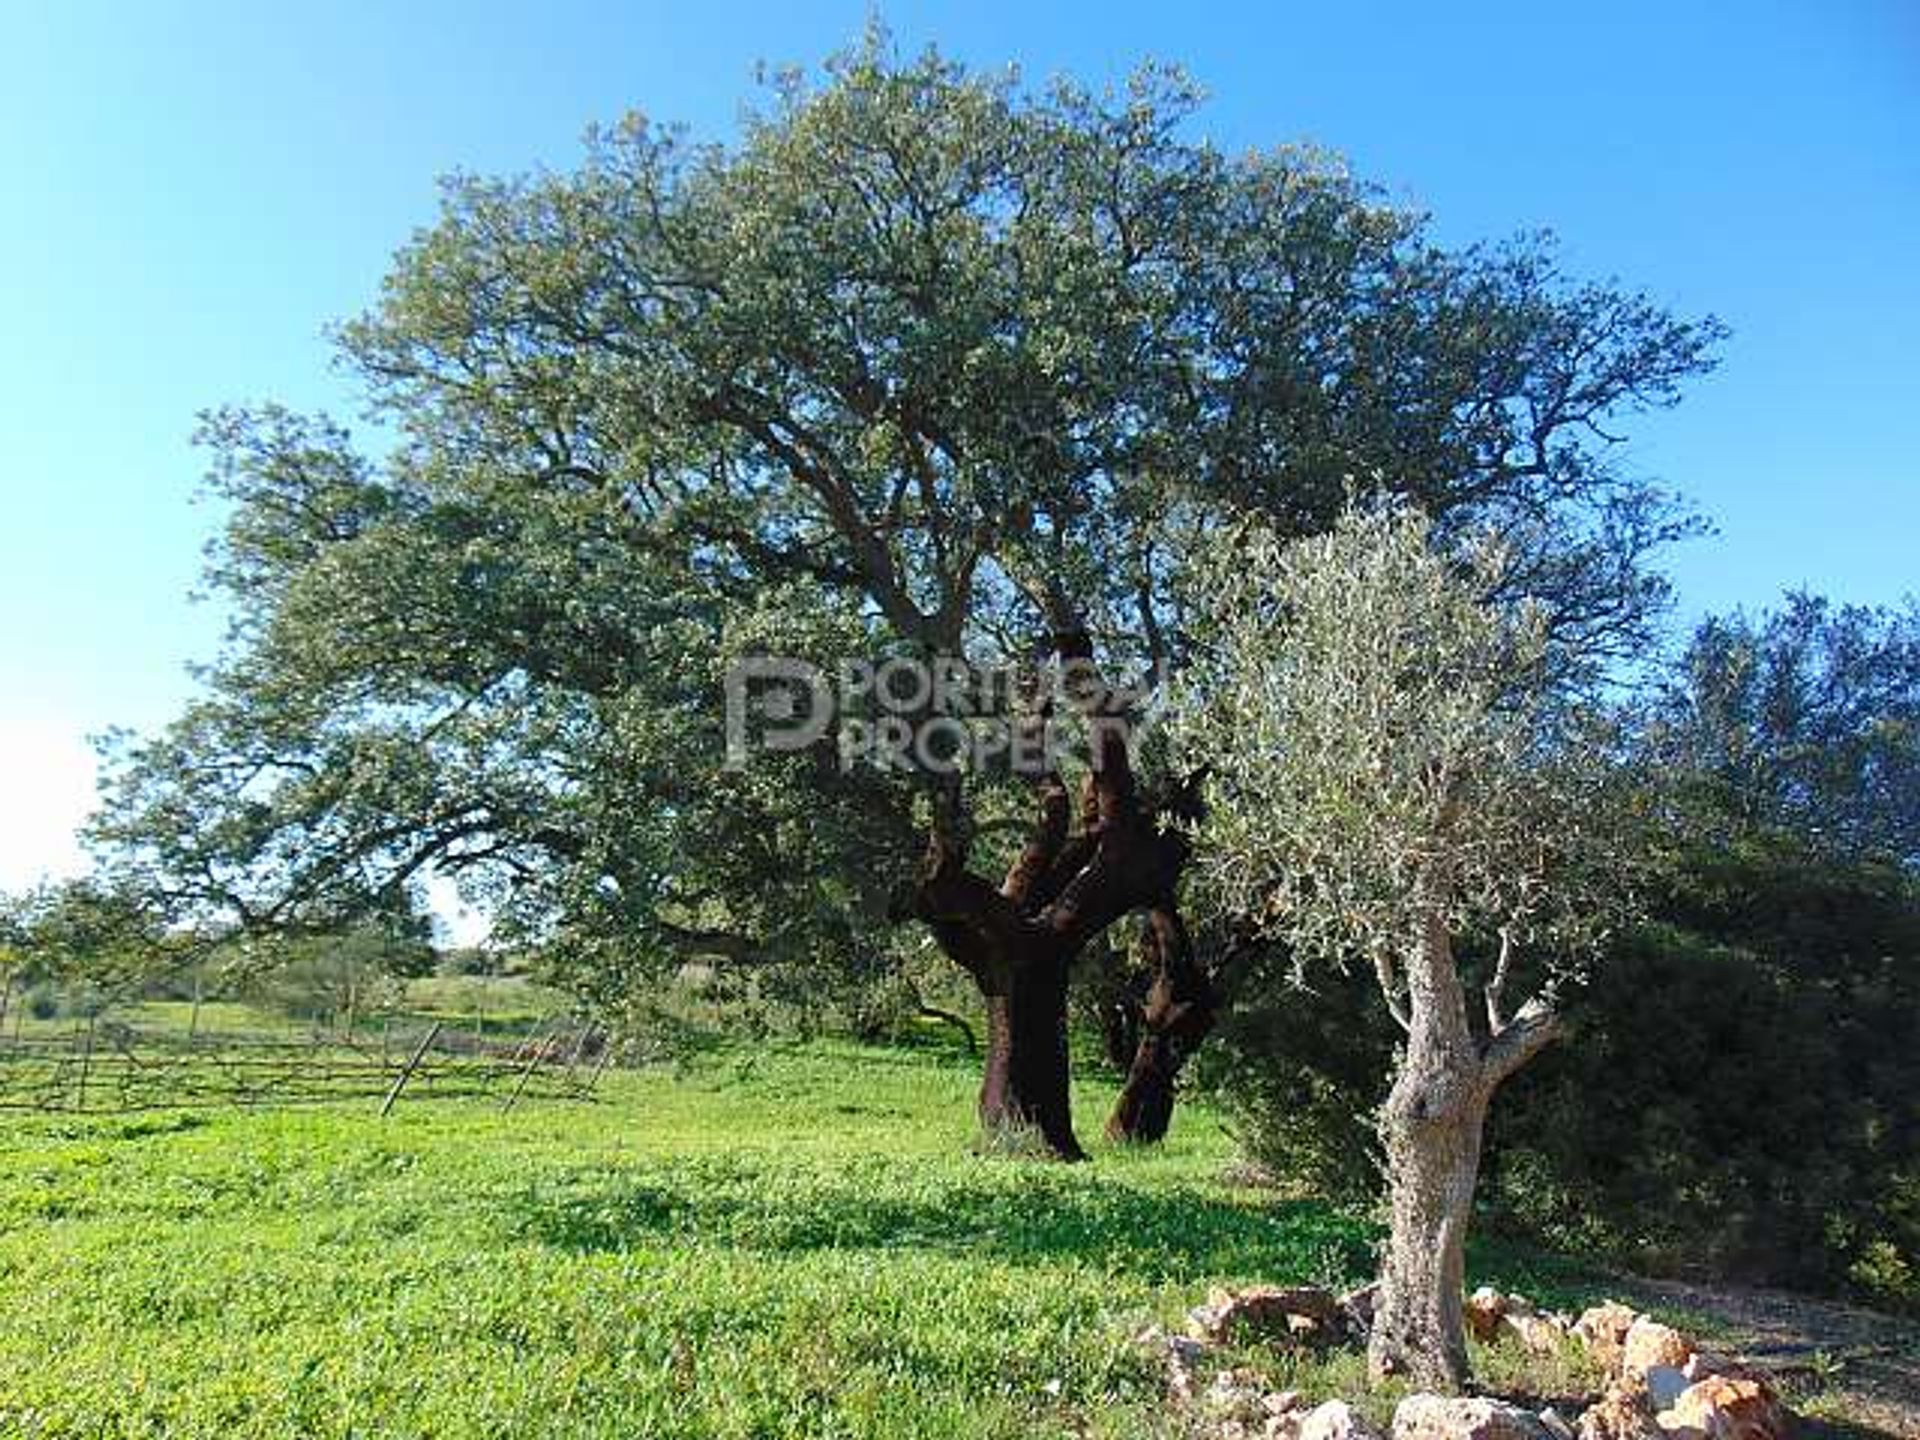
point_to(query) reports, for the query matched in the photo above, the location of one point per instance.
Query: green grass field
(799, 1243)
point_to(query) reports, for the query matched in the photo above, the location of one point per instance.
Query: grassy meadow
(795, 1242)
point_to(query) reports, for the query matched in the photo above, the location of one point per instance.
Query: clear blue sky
(193, 191)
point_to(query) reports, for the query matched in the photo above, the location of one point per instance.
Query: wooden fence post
(534, 1057)
(599, 1066)
(86, 1064)
(406, 1072)
(579, 1049)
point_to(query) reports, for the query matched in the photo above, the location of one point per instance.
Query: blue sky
(191, 192)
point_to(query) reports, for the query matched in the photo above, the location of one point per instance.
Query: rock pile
(1302, 1313)
(1492, 1317)
(1660, 1386)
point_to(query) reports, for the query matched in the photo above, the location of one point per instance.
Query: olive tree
(1399, 780)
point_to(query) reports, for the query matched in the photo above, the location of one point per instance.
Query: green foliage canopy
(924, 362)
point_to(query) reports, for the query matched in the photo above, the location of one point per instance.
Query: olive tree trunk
(1431, 1129)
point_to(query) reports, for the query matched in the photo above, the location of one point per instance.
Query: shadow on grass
(1008, 1212)
(1844, 1427)
(1155, 1235)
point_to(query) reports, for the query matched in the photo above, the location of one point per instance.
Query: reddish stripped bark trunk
(1026, 1081)
(1019, 939)
(1178, 1012)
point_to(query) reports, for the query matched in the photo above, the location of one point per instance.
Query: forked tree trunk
(1143, 1111)
(1431, 1128)
(1019, 939)
(1021, 969)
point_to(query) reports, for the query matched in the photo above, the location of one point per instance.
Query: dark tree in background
(1775, 993)
(1806, 719)
(923, 364)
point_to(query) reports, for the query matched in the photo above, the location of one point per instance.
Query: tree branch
(1498, 984)
(1383, 971)
(1536, 1025)
(1044, 843)
(723, 944)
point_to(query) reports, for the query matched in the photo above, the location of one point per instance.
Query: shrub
(43, 1002)
(1746, 1090)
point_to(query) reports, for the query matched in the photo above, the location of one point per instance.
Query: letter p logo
(791, 697)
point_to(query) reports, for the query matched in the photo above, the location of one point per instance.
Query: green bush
(1741, 1092)
(1300, 1074)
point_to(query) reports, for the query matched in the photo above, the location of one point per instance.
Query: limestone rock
(1442, 1417)
(1296, 1311)
(1711, 1362)
(1285, 1412)
(1556, 1424)
(1541, 1334)
(1335, 1420)
(1649, 1343)
(1623, 1413)
(1603, 1330)
(1722, 1407)
(1491, 1317)
(1483, 1310)
(1238, 1406)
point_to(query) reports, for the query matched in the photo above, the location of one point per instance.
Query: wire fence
(106, 1065)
